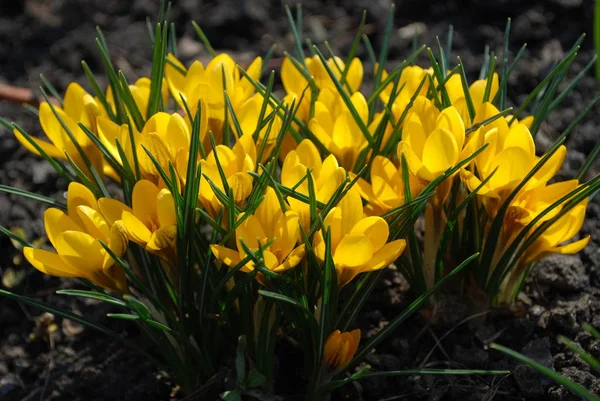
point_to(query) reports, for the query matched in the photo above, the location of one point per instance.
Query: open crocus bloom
(511, 154)
(208, 83)
(75, 235)
(277, 232)
(78, 106)
(151, 222)
(554, 237)
(235, 164)
(432, 141)
(327, 176)
(458, 99)
(358, 244)
(335, 127)
(386, 190)
(340, 348)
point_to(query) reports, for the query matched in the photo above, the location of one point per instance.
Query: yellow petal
(354, 250)
(93, 222)
(226, 255)
(143, 201)
(451, 120)
(56, 222)
(162, 151)
(49, 263)
(571, 248)
(520, 137)
(440, 151)
(162, 238)
(355, 74)
(136, 230)
(112, 209)
(286, 234)
(81, 251)
(78, 194)
(292, 260)
(292, 79)
(552, 165)
(375, 229)
(385, 256)
(251, 233)
(49, 148)
(241, 185)
(477, 89)
(268, 212)
(352, 209)
(513, 164)
(117, 243)
(253, 71)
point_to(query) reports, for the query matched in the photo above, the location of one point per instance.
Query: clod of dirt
(586, 379)
(563, 272)
(529, 380)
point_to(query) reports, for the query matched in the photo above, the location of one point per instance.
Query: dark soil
(79, 364)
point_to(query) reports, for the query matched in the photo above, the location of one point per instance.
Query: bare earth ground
(53, 36)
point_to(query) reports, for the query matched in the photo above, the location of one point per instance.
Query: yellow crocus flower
(140, 91)
(78, 106)
(358, 243)
(340, 348)
(554, 237)
(337, 130)
(326, 174)
(433, 142)
(209, 83)
(75, 236)
(235, 164)
(152, 220)
(166, 136)
(511, 153)
(269, 223)
(386, 189)
(458, 99)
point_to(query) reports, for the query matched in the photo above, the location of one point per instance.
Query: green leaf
(204, 40)
(93, 295)
(569, 384)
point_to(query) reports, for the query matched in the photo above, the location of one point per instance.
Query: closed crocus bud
(340, 348)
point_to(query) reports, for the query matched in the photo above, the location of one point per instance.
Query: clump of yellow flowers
(211, 205)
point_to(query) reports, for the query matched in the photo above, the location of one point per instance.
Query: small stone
(530, 382)
(563, 272)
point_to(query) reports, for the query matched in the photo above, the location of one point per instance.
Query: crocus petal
(136, 230)
(552, 165)
(49, 263)
(354, 250)
(47, 147)
(571, 248)
(226, 255)
(440, 151)
(286, 234)
(93, 222)
(385, 256)
(143, 201)
(112, 209)
(162, 238)
(81, 251)
(78, 194)
(451, 120)
(251, 232)
(241, 185)
(520, 137)
(292, 259)
(56, 222)
(117, 243)
(375, 229)
(165, 206)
